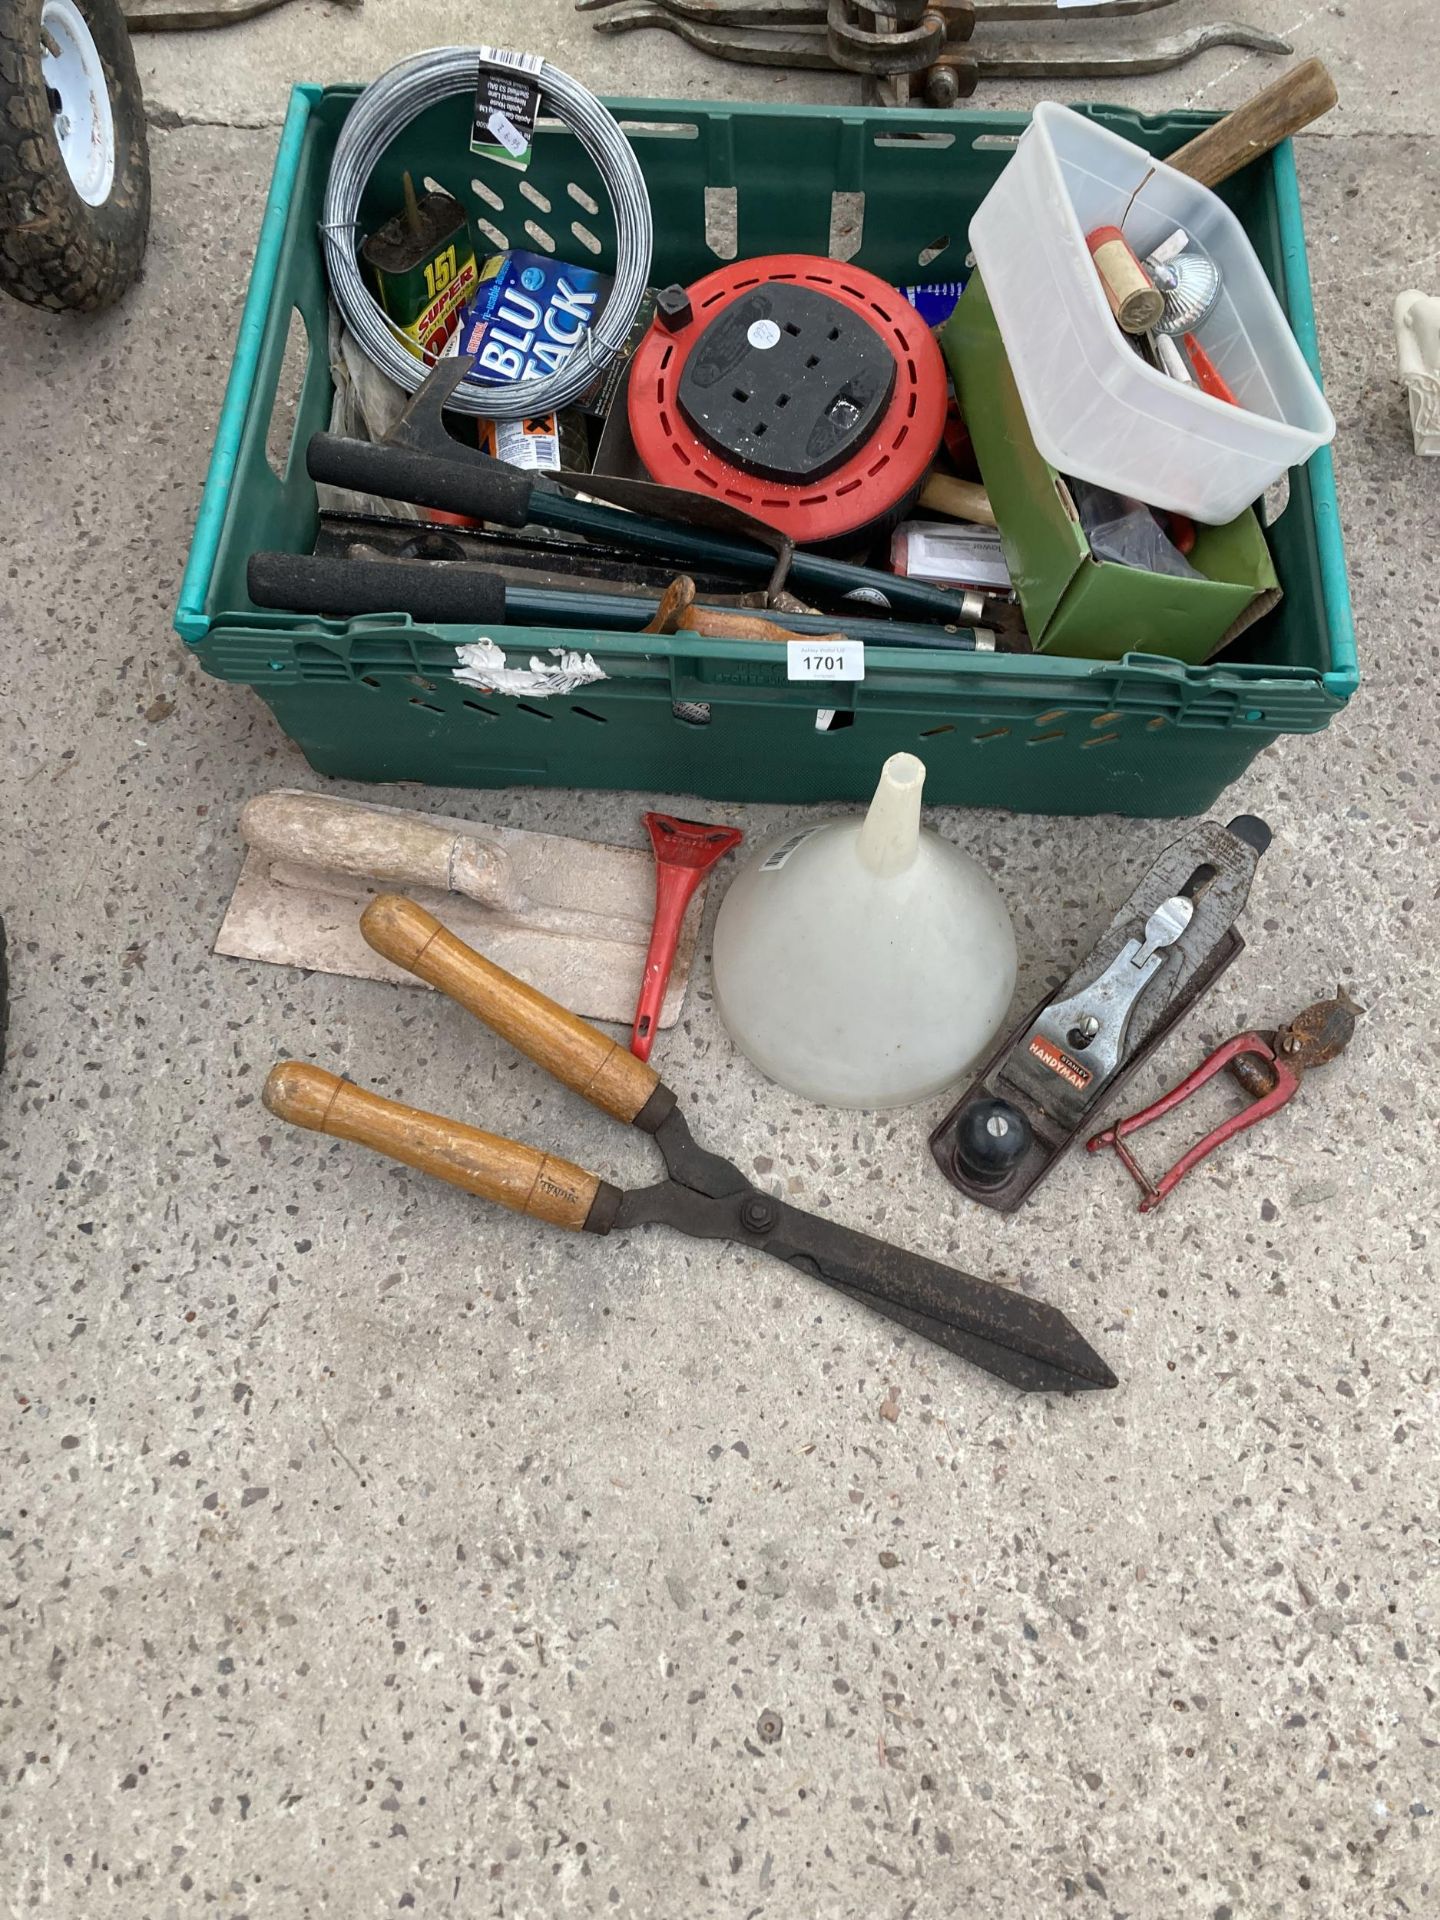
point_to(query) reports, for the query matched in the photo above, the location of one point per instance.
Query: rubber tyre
(55, 251)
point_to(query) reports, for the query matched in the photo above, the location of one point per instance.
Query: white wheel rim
(79, 100)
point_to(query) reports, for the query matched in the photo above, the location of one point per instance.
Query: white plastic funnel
(865, 962)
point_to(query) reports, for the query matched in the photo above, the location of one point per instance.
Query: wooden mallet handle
(588, 1062)
(501, 1170)
(1299, 97)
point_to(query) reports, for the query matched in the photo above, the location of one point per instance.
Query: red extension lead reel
(805, 392)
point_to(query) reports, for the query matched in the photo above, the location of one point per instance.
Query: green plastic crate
(373, 699)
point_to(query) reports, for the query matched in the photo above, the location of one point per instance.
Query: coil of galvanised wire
(382, 113)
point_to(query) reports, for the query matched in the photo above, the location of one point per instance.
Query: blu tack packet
(528, 316)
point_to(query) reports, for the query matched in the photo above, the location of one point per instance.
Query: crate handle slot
(660, 129)
(847, 225)
(916, 137)
(1277, 501)
(289, 385)
(722, 222)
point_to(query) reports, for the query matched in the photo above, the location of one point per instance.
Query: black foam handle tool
(472, 484)
(447, 592)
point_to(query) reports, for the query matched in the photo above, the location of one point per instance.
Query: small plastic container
(1096, 409)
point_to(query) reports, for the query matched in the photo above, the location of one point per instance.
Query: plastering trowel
(573, 916)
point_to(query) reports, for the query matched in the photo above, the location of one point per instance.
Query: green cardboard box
(1074, 604)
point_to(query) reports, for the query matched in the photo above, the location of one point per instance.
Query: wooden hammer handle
(719, 623)
(501, 1170)
(681, 612)
(1299, 97)
(588, 1062)
(960, 499)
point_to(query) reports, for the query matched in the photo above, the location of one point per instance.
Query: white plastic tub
(1096, 409)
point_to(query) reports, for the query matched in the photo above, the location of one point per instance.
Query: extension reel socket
(804, 391)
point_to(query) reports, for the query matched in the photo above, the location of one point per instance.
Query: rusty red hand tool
(685, 851)
(1269, 1067)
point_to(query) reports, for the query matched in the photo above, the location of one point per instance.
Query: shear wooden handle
(588, 1062)
(501, 1170)
(1299, 97)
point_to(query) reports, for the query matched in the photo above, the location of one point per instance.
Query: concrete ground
(366, 1550)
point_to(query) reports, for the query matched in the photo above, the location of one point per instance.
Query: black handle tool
(420, 462)
(454, 593)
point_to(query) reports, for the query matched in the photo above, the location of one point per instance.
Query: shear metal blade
(1027, 1342)
(890, 1277)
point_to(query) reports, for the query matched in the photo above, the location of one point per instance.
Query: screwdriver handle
(1299, 97)
(588, 1062)
(471, 483)
(504, 1171)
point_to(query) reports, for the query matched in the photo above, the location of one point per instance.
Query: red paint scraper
(685, 851)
